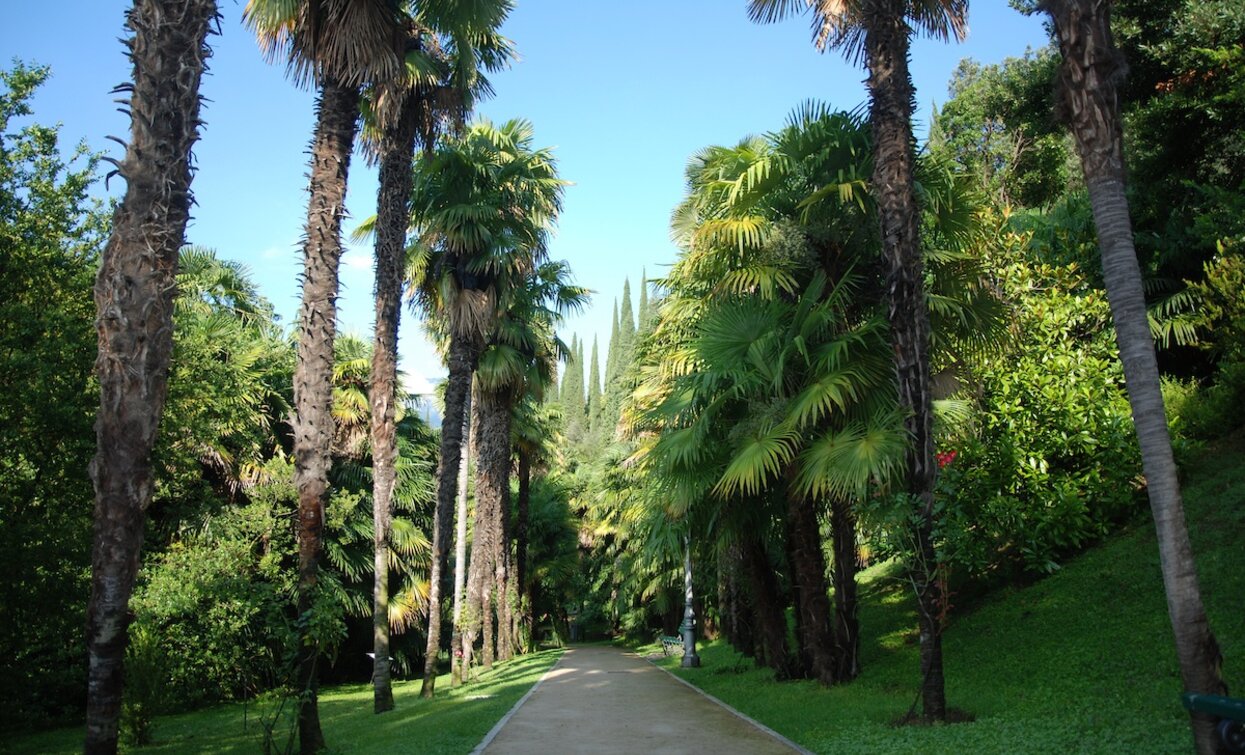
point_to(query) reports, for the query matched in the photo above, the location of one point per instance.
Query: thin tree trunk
(461, 363)
(520, 549)
(501, 545)
(846, 621)
(890, 114)
(808, 569)
(460, 552)
(336, 123)
(1091, 70)
(392, 217)
(134, 293)
(473, 605)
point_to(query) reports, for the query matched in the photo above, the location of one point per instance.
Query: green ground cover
(454, 722)
(1081, 661)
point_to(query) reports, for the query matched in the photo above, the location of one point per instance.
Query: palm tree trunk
(392, 217)
(134, 293)
(890, 114)
(1091, 70)
(808, 570)
(492, 491)
(337, 117)
(461, 362)
(460, 553)
(525, 628)
(770, 615)
(846, 621)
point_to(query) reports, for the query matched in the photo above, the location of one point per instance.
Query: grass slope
(454, 722)
(1081, 661)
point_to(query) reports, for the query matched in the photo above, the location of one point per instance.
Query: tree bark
(337, 117)
(460, 552)
(808, 569)
(525, 627)
(770, 615)
(846, 621)
(890, 114)
(463, 354)
(393, 215)
(1090, 73)
(134, 292)
(492, 492)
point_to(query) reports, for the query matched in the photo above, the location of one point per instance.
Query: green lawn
(454, 722)
(1081, 661)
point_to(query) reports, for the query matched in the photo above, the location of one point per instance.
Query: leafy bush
(1051, 459)
(219, 603)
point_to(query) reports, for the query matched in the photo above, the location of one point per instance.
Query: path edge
(497, 727)
(742, 716)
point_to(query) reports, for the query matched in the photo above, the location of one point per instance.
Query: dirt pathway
(605, 700)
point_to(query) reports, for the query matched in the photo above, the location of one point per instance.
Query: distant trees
(481, 207)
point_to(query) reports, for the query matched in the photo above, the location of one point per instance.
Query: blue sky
(624, 92)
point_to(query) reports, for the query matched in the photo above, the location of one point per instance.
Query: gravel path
(605, 700)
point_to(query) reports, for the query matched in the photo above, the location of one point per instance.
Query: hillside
(1081, 661)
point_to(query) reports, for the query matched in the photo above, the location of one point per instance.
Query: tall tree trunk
(392, 217)
(846, 621)
(890, 114)
(460, 552)
(808, 569)
(337, 117)
(1090, 73)
(492, 491)
(474, 596)
(463, 354)
(767, 602)
(525, 629)
(501, 545)
(134, 293)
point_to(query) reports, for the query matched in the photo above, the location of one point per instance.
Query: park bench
(1231, 714)
(670, 643)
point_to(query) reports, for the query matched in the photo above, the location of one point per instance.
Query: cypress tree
(594, 385)
(643, 300)
(626, 327)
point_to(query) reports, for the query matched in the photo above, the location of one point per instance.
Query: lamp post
(690, 659)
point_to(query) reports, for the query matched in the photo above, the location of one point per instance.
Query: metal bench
(670, 643)
(1231, 714)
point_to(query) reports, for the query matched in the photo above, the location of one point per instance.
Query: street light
(690, 659)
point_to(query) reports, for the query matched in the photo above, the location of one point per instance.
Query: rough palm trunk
(525, 628)
(890, 114)
(492, 491)
(846, 622)
(460, 552)
(808, 569)
(1090, 73)
(461, 362)
(767, 603)
(501, 545)
(392, 217)
(337, 116)
(134, 293)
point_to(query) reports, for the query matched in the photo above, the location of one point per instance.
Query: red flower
(946, 457)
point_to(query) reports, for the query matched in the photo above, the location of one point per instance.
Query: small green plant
(145, 681)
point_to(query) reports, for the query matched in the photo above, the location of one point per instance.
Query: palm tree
(434, 92)
(535, 440)
(338, 45)
(520, 356)
(878, 31)
(480, 206)
(1090, 74)
(134, 294)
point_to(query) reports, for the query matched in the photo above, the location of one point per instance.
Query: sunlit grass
(1081, 661)
(454, 722)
